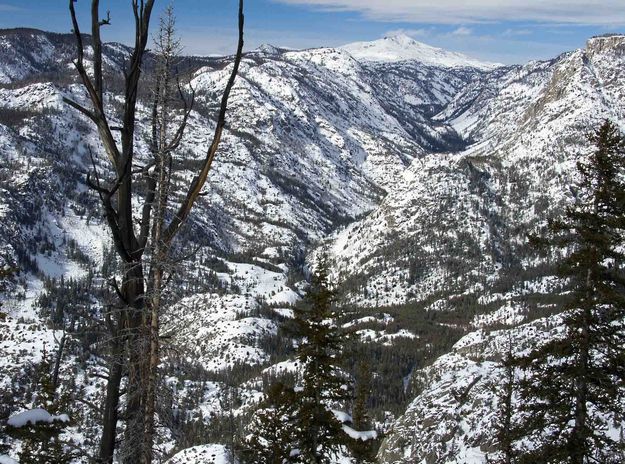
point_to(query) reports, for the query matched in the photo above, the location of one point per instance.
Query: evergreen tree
(506, 432)
(572, 388)
(319, 433)
(270, 440)
(363, 451)
(360, 414)
(41, 442)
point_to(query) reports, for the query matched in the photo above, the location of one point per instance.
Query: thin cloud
(423, 32)
(516, 32)
(462, 31)
(7, 7)
(591, 12)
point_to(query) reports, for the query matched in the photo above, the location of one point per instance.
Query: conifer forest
(312, 232)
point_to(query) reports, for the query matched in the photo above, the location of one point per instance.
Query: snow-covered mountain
(401, 47)
(421, 169)
(458, 220)
(451, 239)
(314, 138)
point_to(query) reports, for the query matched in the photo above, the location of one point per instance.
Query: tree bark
(135, 340)
(111, 406)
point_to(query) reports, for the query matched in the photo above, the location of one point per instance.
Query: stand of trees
(41, 441)
(571, 389)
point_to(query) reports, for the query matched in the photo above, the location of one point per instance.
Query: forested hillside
(361, 261)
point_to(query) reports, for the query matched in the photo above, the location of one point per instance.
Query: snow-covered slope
(453, 419)
(457, 223)
(316, 140)
(452, 238)
(404, 48)
(204, 454)
(312, 142)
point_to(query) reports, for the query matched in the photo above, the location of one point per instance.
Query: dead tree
(131, 325)
(158, 179)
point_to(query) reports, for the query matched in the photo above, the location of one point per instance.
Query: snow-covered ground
(316, 139)
(204, 454)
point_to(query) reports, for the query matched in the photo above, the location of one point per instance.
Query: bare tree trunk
(167, 49)
(59, 356)
(135, 340)
(155, 304)
(111, 404)
(137, 348)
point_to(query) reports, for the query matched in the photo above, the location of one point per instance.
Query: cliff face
(423, 180)
(535, 133)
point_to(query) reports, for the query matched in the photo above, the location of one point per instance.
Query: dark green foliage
(506, 430)
(66, 299)
(572, 388)
(363, 451)
(319, 434)
(360, 415)
(392, 364)
(41, 442)
(301, 418)
(270, 440)
(15, 118)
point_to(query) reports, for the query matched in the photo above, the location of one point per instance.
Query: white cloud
(516, 32)
(603, 12)
(462, 31)
(423, 32)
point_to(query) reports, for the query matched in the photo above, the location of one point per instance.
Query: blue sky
(509, 31)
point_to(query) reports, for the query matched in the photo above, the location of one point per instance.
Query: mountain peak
(606, 43)
(400, 38)
(401, 47)
(267, 49)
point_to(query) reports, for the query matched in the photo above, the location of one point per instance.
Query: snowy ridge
(403, 48)
(433, 170)
(475, 206)
(453, 419)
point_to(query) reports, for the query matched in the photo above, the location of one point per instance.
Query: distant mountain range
(420, 170)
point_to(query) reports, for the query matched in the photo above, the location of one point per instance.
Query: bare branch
(107, 21)
(91, 405)
(200, 180)
(80, 108)
(118, 292)
(188, 107)
(97, 51)
(111, 214)
(94, 89)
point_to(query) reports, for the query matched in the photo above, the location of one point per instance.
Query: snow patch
(34, 417)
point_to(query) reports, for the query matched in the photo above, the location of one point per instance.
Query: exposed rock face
(426, 178)
(457, 222)
(454, 418)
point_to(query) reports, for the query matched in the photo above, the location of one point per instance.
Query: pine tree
(270, 439)
(363, 451)
(319, 433)
(360, 415)
(506, 431)
(572, 388)
(41, 442)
